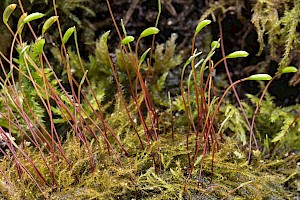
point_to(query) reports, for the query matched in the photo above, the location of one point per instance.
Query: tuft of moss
(232, 177)
(115, 145)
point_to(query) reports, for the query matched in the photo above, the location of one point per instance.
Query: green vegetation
(278, 20)
(104, 127)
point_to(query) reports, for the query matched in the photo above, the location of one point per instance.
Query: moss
(103, 143)
(137, 178)
(276, 23)
(279, 21)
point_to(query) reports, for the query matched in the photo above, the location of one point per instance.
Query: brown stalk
(230, 81)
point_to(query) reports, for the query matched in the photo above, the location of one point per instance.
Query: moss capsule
(33, 16)
(20, 23)
(149, 31)
(201, 25)
(259, 77)
(238, 54)
(40, 45)
(7, 12)
(49, 23)
(127, 40)
(215, 44)
(289, 69)
(68, 34)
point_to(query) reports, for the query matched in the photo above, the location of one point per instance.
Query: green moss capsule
(49, 23)
(260, 77)
(215, 44)
(199, 159)
(238, 54)
(7, 12)
(149, 31)
(33, 16)
(68, 34)
(289, 69)
(127, 40)
(40, 45)
(20, 23)
(201, 25)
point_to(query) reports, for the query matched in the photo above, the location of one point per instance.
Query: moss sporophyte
(120, 127)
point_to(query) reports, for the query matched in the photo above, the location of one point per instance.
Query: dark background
(92, 19)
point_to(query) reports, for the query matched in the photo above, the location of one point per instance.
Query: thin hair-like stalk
(230, 81)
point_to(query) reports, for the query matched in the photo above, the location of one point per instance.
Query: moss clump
(137, 178)
(279, 21)
(276, 23)
(90, 139)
